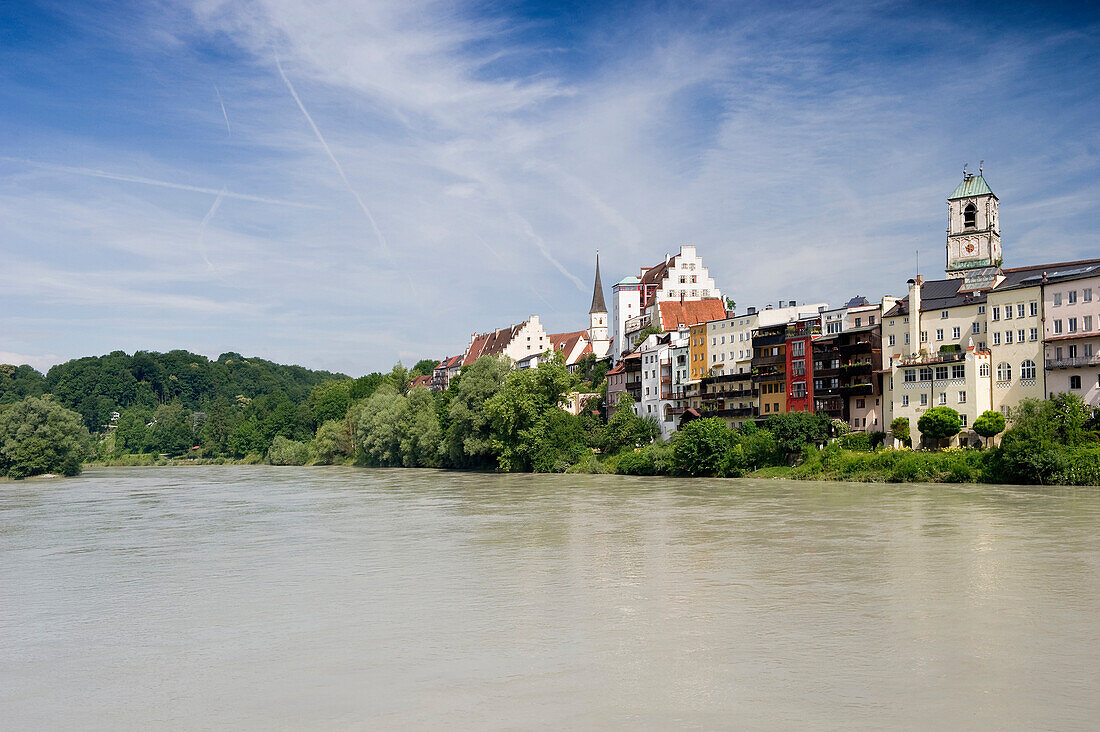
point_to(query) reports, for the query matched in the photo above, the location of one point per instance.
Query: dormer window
(970, 215)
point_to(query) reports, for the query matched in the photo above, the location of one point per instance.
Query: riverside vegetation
(180, 407)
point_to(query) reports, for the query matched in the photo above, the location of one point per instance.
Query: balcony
(857, 389)
(1073, 363)
(729, 412)
(925, 359)
(857, 369)
(769, 360)
(759, 341)
(858, 347)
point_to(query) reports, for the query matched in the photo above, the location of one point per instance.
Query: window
(1027, 369)
(892, 339)
(997, 339)
(941, 373)
(1058, 353)
(924, 400)
(925, 373)
(945, 314)
(1008, 312)
(943, 397)
(1086, 322)
(939, 334)
(983, 370)
(798, 348)
(1008, 336)
(996, 313)
(970, 215)
(1075, 382)
(956, 333)
(1088, 350)
(910, 376)
(1004, 371)
(871, 320)
(1033, 334)
(962, 419)
(1072, 323)
(1057, 326)
(924, 336)
(1057, 299)
(1033, 308)
(860, 403)
(981, 310)
(958, 371)
(1020, 335)
(1086, 294)
(962, 397)
(907, 339)
(1073, 351)
(859, 322)
(975, 328)
(1072, 296)
(905, 400)
(1019, 310)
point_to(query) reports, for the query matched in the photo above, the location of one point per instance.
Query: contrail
(546, 252)
(159, 183)
(202, 229)
(227, 128)
(496, 254)
(339, 168)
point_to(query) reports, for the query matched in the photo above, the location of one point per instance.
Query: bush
(587, 464)
(860, 441)
(939, 423)
(284, 451)
(899, 428)
(878, 439)
(796, 429)
(639, 462)
(705, 447)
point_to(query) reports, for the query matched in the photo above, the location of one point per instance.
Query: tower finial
(981, 166)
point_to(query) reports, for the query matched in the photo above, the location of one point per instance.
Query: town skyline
(251, 178)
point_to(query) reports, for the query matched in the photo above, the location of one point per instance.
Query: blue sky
(343, 185)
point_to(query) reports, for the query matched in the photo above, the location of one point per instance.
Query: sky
(343, 185)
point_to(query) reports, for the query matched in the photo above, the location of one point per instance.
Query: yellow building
(697, 351)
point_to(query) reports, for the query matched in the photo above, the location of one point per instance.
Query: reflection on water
(252, 597)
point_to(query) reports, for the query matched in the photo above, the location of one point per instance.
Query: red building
(800, 375)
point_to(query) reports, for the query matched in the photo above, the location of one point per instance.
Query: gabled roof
(972, 185)
(654, 275)
(675, 314)
(490, 344)
(425, 380)
(450, 362)
(567, 343)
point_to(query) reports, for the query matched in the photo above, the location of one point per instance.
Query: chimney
(791, 303)
(914, 314)
(751, 311)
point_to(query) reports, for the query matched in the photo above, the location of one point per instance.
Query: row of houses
(983, 337)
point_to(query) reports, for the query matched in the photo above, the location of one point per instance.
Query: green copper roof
(628, 280)
(973, 185)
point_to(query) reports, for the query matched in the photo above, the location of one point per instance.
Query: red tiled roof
(690, 312)
(490, 344)
(567, 342)
(425, 380)
(619, 369)
(451, 362)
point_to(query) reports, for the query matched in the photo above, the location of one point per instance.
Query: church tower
(597, 317)
(973, 229)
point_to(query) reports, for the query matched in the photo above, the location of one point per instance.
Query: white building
(659, 398)
(517, 342)
(682, 277)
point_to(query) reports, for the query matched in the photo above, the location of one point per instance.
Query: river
(264, 597)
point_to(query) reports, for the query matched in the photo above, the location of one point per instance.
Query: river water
(263, 597)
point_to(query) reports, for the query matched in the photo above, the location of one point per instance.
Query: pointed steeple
(598, 305)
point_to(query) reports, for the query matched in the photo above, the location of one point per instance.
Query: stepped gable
(675, 314)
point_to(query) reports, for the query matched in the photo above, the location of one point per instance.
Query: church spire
(598, 305)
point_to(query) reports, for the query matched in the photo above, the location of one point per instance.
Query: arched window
(1004, 371)
(970, 215)
(1027, 370)
(983, 370)
(1075, 382)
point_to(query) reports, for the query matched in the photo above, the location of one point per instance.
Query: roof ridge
(1051, 265)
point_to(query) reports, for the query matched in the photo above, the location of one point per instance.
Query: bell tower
(973, 228)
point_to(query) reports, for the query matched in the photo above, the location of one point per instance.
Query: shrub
(284, 451)
(38, 435)
(587, 464)
(795, 429)
(939, 423)
(703, 447)
(989, 424)
(878, 439)
(899, 428)
(856, 441)
(639, 462)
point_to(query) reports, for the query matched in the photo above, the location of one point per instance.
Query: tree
(424, 367)
(38, 435)
(131, 433)
(399, 378)
(469, 438)
(899, 428)
(379, 426)
(560, 444)
(519, 411)
(989, 424)
(172, 431)
(18, 382)
(326, 443)
(329, 400)
(705, 447)
(795, 430)
(419, 432)
(939, 423)
(626, 430)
